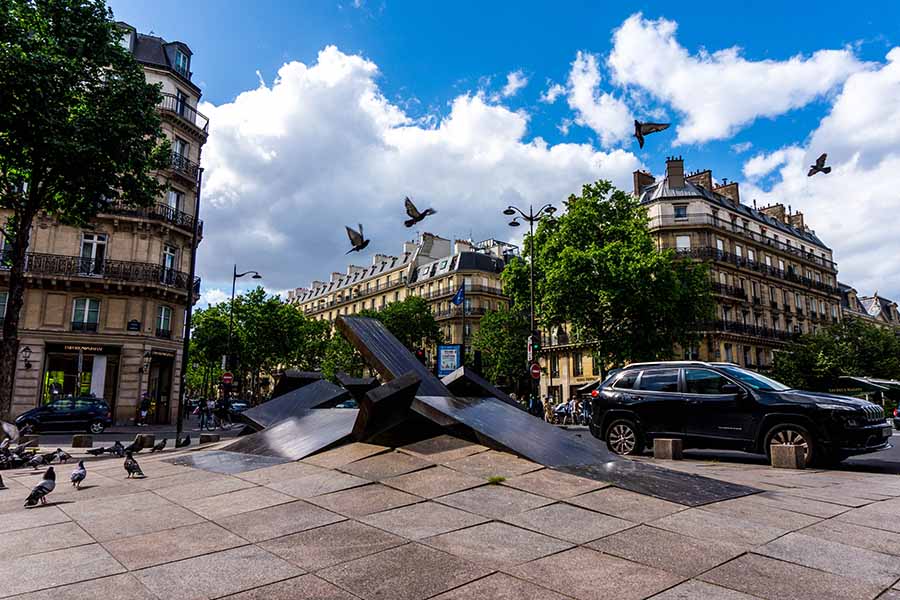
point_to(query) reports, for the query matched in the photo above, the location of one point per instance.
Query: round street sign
(535, 371)
(227, 378)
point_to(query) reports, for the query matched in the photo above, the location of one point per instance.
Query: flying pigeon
(642, 129)
(414, 215)
(79, 474)
(38, 460)
(98, 451)
(4, 444)
(10, 431)
(132, 467)
(159, 446)
(356, 239)
(118, 449)
(183, 443)
(819, 167)
(40, 491)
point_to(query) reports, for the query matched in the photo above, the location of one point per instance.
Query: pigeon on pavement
(356, 239)
(642, 129)
(118, 449)
(38, 460)
(98, 451)
(132, 467)
(133, 448)
(159, 446)
(79, 474)
(414, 215)
(819, 167)
(40, 491)
(58, 454)
(183, 443)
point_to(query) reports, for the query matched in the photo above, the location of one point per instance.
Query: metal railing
(185, 167)
(733, 227)
(164, 333)
(470, 289)
(158, 212)
(476, 311)
(729, 290)
(84, 327)
(709, 253)
(749, 330)
(173, 104)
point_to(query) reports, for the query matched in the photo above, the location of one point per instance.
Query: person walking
(144, 409)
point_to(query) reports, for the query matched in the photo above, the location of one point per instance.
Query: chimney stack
(776, 211)
(675, 172)
(796, 221)
(317, 284)
(464, 246)
(641, 180)
(381, 258)
(701, 178)
(729, 190)
(336, 276)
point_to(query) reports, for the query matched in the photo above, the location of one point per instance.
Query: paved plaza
(422, 521)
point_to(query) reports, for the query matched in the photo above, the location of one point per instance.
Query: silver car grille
(873, 413)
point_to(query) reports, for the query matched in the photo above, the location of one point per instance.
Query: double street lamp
(234, 277)
(531, 218)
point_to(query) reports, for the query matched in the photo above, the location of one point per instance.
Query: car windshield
(754, 380)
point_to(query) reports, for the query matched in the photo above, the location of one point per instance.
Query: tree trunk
(9, 347)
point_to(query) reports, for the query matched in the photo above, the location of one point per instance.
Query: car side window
(662, 380)
(702, 381)
(626, 381)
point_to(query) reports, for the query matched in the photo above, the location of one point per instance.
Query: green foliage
(501, 338)
(411, 321)
(852, 347)
(496, 479)
(341, 357)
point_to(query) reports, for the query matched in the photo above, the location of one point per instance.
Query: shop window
(164, 322)
(577, 370)
(85, 314)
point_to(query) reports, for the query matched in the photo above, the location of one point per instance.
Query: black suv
(91, 414)
(721, 405)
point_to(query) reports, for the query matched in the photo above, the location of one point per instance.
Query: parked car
(897, 419)
(68, 414)
(721, 405)
(238, 407)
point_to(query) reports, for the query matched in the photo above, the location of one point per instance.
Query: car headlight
(841, 407)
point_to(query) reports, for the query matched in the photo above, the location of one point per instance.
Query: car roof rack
(669, 363)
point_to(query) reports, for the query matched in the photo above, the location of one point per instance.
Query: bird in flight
(356, 239)
(819, 167)
(642, 129)
(414, 215)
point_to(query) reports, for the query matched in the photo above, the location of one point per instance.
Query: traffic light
(535, 342)
(420, 355)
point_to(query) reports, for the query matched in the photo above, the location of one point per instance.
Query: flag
(460, 296)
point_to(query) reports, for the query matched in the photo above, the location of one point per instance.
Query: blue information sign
(449, 359)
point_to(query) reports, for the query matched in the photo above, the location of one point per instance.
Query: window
(780, 264)
(768, 261)
(85, 314)
(169, 258)
(723, 279)
(181, 102)
(595, 367)
(663, 380)
(182, 63)
(701, 381)
(174, 200)
(180, 147)
(626, 380)
(720, 245)
(554, 365)
(164, 321)
(729, 353)
(751, 254)
(3, 298)
(93, 251)
(738, 251)
(577, 370)
(747, 357)
(681, 211)
(683, 242)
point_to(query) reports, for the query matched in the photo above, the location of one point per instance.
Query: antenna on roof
(754, 204)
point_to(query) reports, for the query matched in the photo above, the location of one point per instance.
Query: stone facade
(105, 304)
(874, 309)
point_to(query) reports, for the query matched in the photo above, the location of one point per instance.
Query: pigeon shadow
(85, 487)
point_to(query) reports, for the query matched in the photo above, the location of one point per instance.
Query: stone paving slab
(382, 466)
(589, 575)
(500, 586)
(217, 574)
(856, 535)
(241, 501)
(834, 557)
(422, 520)
(59, 567)
(695, 590)
(43, 539)
(305, 587)
(331, 545)
(365, 500)
(779, 580)
(317, 484)
(188, 494)
(160, 547)
(497, 545)
(115, 587)
(344, 455)
(805, 506)
(443, 448)
(279, 520)
(494, 501)
(434, 482)
(570, 523)
(881, 515)
(31, 518)
(665, 550)
(754, 511)
(409, 572)
(554, 484)
(279, 473)
(714, 527)
(493, 464)
(626, 505)
(109, 519)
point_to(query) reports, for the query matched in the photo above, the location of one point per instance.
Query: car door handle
(693, 402)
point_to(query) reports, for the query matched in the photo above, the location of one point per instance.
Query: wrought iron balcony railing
(185, 167)
(164, 333)
(174, 105)
(750, 330)
(84, 327)
(729, 290)
(475, 311)
(158, 212)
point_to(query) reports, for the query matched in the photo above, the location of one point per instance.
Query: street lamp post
(531, 217)
(234, 277)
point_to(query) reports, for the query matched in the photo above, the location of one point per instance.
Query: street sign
(227, 378)
(535, 371)
(530, 349)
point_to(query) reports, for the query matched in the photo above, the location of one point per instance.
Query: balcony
(470, 289)
(185, 167)
(84, 327)
(749, 330)
(709, 253)
(731, 227)
(728, 290)
(165, 334)
(475, 311)
(172, 105)
(158, 212)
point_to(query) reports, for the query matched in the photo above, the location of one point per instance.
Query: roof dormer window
(182, 63)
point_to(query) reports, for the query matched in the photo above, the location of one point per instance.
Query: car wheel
(96, 427)
(623, 437)
(792, 435)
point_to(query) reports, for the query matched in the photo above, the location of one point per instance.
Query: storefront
(159, 385)
(80, 370)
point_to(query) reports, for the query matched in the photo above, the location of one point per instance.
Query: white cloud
(720, 93)
(853, 208)
(741, 147)
(515, 81)
(552, 93)
(607, 115)
(763, 164)
(213, 296)
(289, 164)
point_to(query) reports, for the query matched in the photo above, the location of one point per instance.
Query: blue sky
(427, 55)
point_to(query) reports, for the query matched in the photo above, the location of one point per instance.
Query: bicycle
(216, 421)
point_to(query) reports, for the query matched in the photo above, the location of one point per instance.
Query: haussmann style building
(771, 276)
(105, 304)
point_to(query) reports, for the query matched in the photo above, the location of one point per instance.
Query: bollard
(30, 440)
(785, 456)
(667, 448)
(82, 441)
(144, 440)
(209, 438)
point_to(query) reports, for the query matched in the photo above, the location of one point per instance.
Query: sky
(325, 114)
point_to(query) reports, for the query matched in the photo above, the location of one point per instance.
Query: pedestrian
(144, 409)
(548, 409)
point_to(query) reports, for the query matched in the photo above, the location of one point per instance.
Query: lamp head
(257, 276)
(551, 210)
(514, 223)
(509, 212)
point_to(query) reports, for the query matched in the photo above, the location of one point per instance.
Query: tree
(852, 347)
(597, 268)
(411, 321)
(501, 339)
(79, 129)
